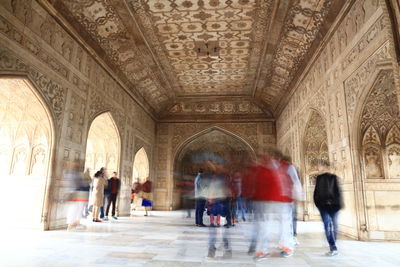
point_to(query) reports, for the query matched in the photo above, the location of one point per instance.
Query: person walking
(114, 185)
(99, 182)
(200, 204)
(297, 192)
(328, 199)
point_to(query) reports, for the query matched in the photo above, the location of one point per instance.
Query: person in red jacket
(272, 197)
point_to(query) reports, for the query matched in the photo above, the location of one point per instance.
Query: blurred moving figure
(328, 199)
(186, 188)
(200, 197)
(297, 192)
(218, 192)
(145, 194)
(78, 196)
(99, 182)
(114, 185)
(272, 194)
(238, 201)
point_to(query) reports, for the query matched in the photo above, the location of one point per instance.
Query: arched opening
(188, 160)
(140, 167)
(25, 151)
(315, 147)
(103, 145)
(140, 173)
(379, 143)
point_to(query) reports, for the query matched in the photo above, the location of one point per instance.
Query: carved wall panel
(380, 122)
(315, 143)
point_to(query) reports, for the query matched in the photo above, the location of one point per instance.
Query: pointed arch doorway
(26, 141)
(236, 152)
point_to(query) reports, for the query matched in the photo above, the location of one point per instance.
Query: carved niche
(315, 144)
(380, 132)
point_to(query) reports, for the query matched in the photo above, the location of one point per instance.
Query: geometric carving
(206, 47)
(371, 136)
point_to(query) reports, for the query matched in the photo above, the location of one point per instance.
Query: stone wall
(345, 108)
(172, 138)
(76, 89)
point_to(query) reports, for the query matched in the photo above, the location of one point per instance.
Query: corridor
(169, 239)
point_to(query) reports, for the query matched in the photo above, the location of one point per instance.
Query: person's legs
(109, 201)
(294, 216)
(202, 205)
(212, 232)
(284, 210)
(114, 202)
(199, 205)
(95, 212)
(329, 228)
(211, 219)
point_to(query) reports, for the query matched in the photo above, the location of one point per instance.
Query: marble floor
(168, 239)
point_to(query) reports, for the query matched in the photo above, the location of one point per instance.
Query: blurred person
(88, 179)
(185, 188)
(237, 196)
(328, 199)
(114, 186)
(200, 197)
(99, 182)
(135, 190)
(78, 197)
(145, 194)
(218, 193)
(273, 203)
(298, 194)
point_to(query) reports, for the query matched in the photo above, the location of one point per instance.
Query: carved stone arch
(192, 153)
(393, 136)
(40, 102)
(104, 138)
(371, 136)
(314, 150)
(51, 94)
(357, 97)
(207, 130)
(378, 120)
(141, 165)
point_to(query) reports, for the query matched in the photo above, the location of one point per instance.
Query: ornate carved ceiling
(177, 52)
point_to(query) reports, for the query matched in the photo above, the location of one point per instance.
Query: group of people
(267, 191)
(91, 194)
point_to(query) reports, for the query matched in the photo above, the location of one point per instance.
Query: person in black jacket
(114, 185)
(328, 199)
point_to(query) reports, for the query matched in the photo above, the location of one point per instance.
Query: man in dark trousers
(114, 185)
(328, 199)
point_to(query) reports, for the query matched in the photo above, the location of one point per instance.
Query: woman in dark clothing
(328, 199)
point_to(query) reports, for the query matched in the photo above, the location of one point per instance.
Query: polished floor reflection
(169, 239)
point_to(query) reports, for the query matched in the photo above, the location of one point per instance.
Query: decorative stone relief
(53, 93)
(380, 120)
(315, 142)
(393, 153)
(221, 107)
(356, 83)
(373, 162)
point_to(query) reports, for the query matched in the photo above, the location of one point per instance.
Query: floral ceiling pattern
(173, 50)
